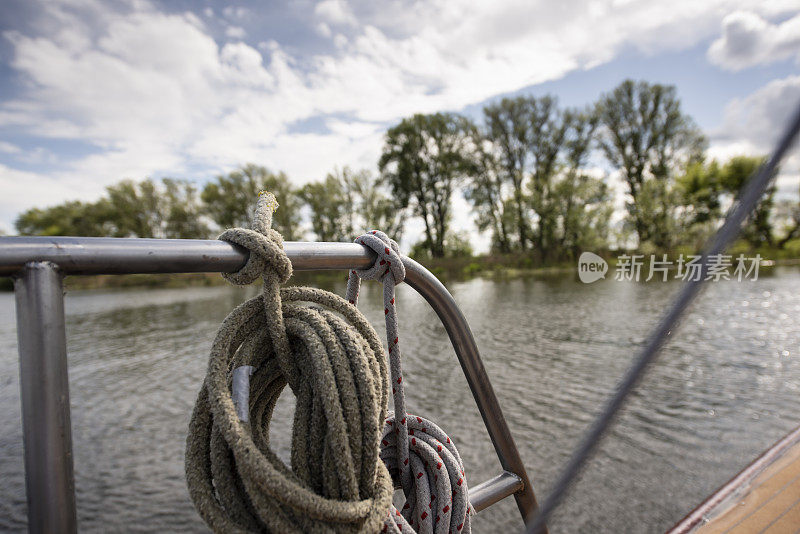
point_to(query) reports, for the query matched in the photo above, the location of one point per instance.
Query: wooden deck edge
(738, 482)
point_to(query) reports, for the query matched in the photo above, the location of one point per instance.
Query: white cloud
(235, 12)
(9, 148)
(19, 186)
(235, 32)
(748, 39)
(760, 117)
(753, 124)
(335, 12)
(723, 150)
(323, 29)
(154, 93)
(340, 41)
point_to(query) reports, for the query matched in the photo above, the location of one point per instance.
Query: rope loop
(423, 460)
(334, 363)
(388, 260)
(348, 454)
(439, 499)
(266, 255)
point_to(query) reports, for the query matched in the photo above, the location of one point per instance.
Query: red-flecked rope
(415, 450)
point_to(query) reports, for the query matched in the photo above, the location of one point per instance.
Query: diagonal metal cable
(747, 200)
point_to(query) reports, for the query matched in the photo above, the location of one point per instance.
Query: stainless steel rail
(46, 431)
(38, 263)
(111, 255)
(494, 490)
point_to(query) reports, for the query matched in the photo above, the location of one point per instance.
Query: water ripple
(725, 388)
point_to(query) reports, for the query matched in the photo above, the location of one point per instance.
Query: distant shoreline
(447, 269)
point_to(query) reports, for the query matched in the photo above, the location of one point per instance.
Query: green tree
(508, 126)
(70, 218)
(348, 203)
(330, 216)
(182, 212)
(705, 187)
(659, 210)
(582, 202)
(700, 190)
(456, 245)
(732, 176)
(374, 208)
(531, 139)
(424, 158)
(229, 199)
(584, 214)
(351, 183)
(789, 213)
(548, 132)
(132, 209)
(128, 209)
(485, 190)
(649, 139)
(534, 165)
(700, 195)
(169, 209)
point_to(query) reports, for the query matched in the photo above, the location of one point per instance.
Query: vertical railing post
(44, 387)
(443, 303)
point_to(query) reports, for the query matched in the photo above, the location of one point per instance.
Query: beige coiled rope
(334, 363)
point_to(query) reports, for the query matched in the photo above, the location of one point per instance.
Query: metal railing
(38, 265)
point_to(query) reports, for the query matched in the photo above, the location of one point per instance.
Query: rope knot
(422, 458)
(388, 260)
(264, 244)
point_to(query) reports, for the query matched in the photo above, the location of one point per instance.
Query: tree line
(342, 205)
(536, 175)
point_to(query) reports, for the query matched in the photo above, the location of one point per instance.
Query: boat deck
(764, 498)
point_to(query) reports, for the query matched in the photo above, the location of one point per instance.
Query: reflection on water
(724, 389)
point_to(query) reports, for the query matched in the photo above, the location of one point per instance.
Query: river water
(725, 388)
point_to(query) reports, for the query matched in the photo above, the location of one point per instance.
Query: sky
(92, 92)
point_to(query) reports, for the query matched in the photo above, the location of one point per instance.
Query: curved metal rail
(38, 265)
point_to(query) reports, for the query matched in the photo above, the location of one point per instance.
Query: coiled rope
(333, 361)
(430, 469)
